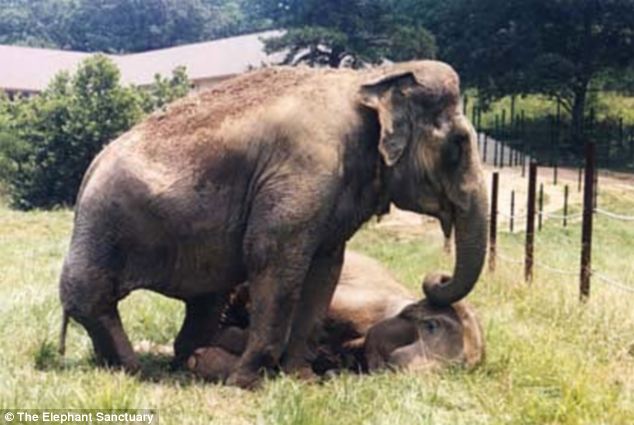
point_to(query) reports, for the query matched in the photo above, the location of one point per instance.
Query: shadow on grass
(158, 368)
(155, 367)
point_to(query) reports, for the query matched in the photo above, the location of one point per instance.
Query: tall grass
(550, 358)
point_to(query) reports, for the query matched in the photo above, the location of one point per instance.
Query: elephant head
(423, 335)
(431, 163)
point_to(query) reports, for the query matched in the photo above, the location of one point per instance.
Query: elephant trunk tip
(440, 291)
(434, 286)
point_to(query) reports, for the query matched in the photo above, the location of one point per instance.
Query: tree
(553, 47)
(38, 23)
(165, 90)
(13, 150)
(115, 26)
(64, 128)
(334, 33)
(580, 40)
(48, 141)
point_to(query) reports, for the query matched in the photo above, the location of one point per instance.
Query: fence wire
(547, 215)
(595, 274)
(513, 216)
(614, 216)
(556, 270)
(608, 280)
(571, 217)
(521, 219)
(562, 216)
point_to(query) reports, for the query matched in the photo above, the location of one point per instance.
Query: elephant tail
(62, 334)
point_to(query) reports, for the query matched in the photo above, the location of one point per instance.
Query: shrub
(49, 140)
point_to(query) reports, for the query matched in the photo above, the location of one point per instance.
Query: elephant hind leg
(111, 344)
(89, 296)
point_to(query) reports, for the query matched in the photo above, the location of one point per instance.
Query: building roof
(31, 69)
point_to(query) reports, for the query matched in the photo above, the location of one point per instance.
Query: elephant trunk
(471, 228)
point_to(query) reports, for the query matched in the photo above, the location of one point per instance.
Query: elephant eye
(452, 150)
(431, 326)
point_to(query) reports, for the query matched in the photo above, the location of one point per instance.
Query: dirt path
(511, 180)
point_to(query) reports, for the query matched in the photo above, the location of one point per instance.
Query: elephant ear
(387, 97)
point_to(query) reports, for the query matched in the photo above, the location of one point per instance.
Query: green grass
(550, 359)
(607, 105)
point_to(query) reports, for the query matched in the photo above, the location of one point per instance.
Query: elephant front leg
(317, 292)
(281, 239)
(274, 295)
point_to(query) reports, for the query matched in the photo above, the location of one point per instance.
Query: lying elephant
(373, 323)
(274, 167)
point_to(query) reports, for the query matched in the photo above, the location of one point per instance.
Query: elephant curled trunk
(471, 228)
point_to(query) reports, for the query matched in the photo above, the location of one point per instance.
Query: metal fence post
(493, 227)
(621, 133)
(523, 157)
(631, 144)
(565, 205)
(586, 232)
(579, 178)
(530, 222)
(518, 155)
(501, 159)
(595, 177)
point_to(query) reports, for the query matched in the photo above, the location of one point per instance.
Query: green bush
(48, 141)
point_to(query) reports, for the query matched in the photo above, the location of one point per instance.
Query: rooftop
(29, 69)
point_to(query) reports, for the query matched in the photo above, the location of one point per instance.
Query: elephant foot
(245, 380)
(300, 369)
(304, 373)
(212, 364)
(130, 367)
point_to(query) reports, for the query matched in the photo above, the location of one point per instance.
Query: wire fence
(608, 280)
(628, 287)
(562, 216)
(586, 272)
(575, 216)
(613, 215)
(551, 139)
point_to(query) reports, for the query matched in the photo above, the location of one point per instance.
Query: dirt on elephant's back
(209, 108)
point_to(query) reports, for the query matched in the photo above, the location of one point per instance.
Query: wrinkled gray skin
(276, 167)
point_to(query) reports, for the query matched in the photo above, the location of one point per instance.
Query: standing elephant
(275, 167)
(373, 323)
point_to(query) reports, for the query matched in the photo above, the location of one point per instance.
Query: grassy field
(607, 105)
(550, 359)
